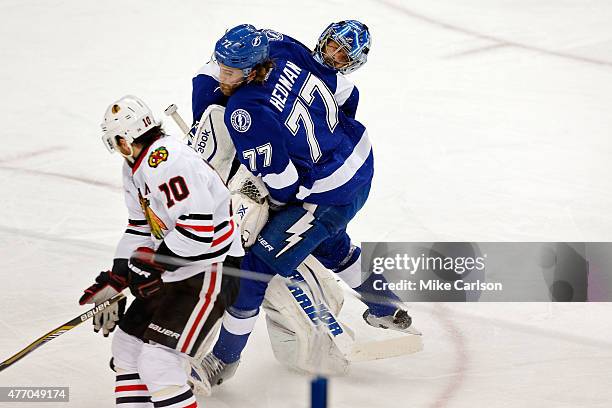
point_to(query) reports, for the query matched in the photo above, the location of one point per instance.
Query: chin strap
(129, 157)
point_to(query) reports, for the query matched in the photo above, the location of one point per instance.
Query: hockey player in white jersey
(179, 209)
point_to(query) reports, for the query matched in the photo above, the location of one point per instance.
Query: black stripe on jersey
(221, 226)
(133, 400)
(137, 222)
(164, 250)
(134, 232)
(193, 236)
(196, 217)
(210, 255)
(128, 377)
(174, 400)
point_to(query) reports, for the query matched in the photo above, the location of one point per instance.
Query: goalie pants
(290, 235)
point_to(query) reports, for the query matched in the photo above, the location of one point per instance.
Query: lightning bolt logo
(296, 231)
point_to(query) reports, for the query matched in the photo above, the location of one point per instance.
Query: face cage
(109, 143)
(351, 65)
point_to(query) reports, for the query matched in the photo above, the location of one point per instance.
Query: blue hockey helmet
(353, 37)
(242, 47)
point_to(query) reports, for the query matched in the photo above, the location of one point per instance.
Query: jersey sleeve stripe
(199, 228)
(135, 232)
(344, 89)
(282, 180)
(344, 173)
(211, 69)
(225, 236)
(196, 217)
(210, 255)
(193, 236)
(135, 223)
(221, 226)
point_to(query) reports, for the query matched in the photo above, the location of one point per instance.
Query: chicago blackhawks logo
(158, 156)
(156, 224)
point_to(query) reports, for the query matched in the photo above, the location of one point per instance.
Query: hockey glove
(145, 274)
(107, 285)
(249, 199)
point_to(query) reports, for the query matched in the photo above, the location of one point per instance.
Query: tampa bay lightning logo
(241, 120)
(273, 35)
(256, 41)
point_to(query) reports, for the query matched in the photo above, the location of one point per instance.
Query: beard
(229, 89)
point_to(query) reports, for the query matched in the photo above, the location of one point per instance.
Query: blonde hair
(262, 70)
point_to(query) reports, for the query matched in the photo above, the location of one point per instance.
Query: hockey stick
(172, 111)
(60, 330)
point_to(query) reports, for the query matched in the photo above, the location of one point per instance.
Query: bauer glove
(145, 273)
(107, 285)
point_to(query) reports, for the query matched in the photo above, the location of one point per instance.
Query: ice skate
(209, 372)
(400, 321)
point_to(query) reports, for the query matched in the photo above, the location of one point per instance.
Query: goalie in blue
(291, 118)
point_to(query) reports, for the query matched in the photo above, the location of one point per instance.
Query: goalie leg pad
(303, 336)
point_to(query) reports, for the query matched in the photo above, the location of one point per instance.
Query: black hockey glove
(107, 285)
(145, 274)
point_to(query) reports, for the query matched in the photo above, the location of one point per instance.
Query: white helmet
(128, 118)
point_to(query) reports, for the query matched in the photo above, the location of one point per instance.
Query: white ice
(490, 121)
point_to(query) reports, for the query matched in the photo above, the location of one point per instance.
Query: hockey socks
(131, 392)
(381, 302)
(235, 331)
(178, 397)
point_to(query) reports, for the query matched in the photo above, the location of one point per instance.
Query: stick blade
(381, 349)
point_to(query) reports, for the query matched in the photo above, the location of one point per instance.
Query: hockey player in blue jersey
(286, 115)
(332, 52)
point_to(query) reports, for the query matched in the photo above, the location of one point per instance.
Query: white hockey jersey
(174, 196)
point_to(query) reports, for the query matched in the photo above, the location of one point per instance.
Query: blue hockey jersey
(206, 92)
(291, 131)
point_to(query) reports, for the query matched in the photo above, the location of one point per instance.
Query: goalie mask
(352, 37)
(128, 118)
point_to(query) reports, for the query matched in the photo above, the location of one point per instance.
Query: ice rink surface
(490, 122)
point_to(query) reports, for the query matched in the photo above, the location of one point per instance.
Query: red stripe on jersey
(224, 236)
(200, 228)
(139, 387)
(209, 292)
(194, 404)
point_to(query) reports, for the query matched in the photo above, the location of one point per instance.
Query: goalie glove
(249, 199)
(107, 285)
